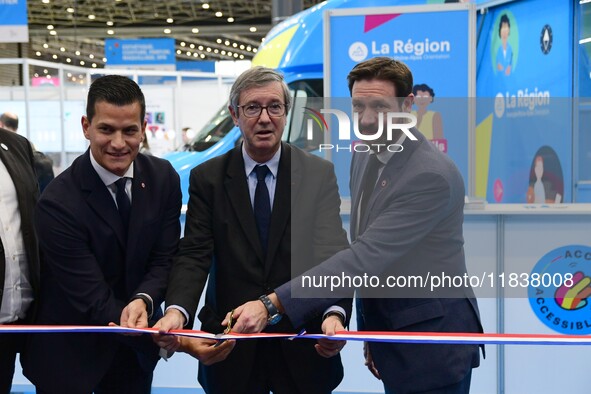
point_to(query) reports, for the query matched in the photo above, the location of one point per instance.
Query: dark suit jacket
(413, 226)
(44, 169)
(18, 159)
(90, 272)
(221, 241)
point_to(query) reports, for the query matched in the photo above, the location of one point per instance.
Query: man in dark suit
(255, 214)
(108, 229)
(19, 257)
(410, 224)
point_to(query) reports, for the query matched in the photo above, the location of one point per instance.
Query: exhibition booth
(514, 116)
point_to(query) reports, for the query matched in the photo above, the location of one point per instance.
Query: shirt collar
(107, 176)
(385, 155)
(250, 164)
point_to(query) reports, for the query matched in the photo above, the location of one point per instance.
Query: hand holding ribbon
(328, 347)
(172, 320)
(250, 317)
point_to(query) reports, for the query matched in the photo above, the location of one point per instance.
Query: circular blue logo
(559, 288)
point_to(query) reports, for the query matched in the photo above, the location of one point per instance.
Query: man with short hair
(254, 214)
(108, 229)
(406, 219)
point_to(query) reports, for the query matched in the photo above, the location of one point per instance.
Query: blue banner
(146, 51)
(524, 142)
(437, 57)
(14, 21)
(196, 65)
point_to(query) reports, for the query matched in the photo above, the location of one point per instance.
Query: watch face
(274, 319)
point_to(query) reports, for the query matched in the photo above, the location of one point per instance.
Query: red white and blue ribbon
(369, 336)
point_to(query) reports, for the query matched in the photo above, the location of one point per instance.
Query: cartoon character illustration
(428, 122)
(505, 52)
(539, 191)
(545, 185)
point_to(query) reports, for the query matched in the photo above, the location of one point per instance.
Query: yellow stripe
(570, 295)
(271, 52)
(483, 142)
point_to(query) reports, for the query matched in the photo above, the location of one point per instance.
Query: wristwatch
(274, 315)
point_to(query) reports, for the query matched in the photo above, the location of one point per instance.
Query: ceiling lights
(61, 29)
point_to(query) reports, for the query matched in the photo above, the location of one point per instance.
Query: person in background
(406, 219)
(9, 121)
(108, 228)
(145, 147)
(19, 257)
(187, 135)
(256, 214)
(43, 163)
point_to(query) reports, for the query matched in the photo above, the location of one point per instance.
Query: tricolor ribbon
(369, 336)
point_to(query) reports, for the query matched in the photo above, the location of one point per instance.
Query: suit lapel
(237, 192)
(288, 181)
(360, 165)
(99, 198)
(388, 177)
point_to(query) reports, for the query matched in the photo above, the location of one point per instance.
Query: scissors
(227, 330)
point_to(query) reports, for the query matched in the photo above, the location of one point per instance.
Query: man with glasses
(254, 214)
(407, 211)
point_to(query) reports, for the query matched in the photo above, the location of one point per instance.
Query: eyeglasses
(254, 110)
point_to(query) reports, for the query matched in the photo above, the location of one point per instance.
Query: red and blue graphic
(317, 117)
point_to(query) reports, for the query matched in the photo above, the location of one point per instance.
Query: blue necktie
(262, 206)
(123, 203)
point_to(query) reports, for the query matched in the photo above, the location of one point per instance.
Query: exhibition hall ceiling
(73, 31)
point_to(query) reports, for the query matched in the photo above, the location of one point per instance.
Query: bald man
(43, 163)
(9, 121)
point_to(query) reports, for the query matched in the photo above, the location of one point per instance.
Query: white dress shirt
(18, 292)
(109, 180)
(251, 176)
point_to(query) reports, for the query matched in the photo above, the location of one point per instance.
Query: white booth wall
(185, 99)
(499, 237)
